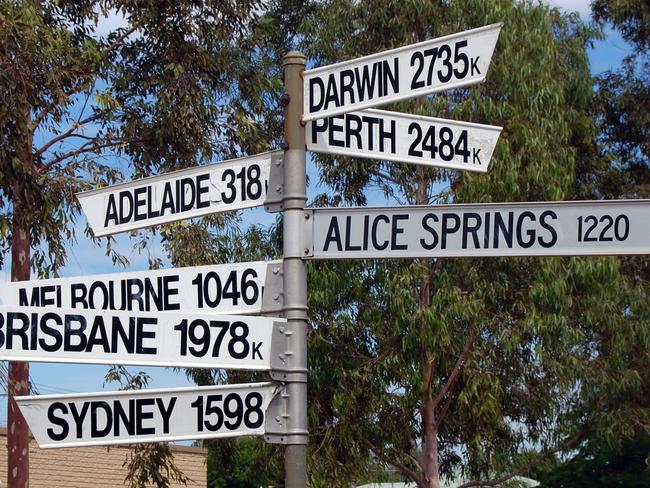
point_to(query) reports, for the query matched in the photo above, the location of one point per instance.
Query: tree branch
(404, 469)
(76, 89)
(83, 149)
(66, 134)
(528, 466)
(458, 368)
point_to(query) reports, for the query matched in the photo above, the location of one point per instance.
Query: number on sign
(250, 185)
(199, 334)
(589, 229)
(438, 143)
(211, 291)
(459, 67)
(229, 411)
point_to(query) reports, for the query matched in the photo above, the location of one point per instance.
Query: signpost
(139, 338)
(377, 134)
(193, 192)
(431, 66)
(126, 417)
(476, 230)
(240, 288)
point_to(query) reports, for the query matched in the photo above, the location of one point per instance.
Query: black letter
(57, 421)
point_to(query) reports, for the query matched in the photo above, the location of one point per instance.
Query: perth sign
(246, 288)
(377, 134)
(126, 417)
(431, 66)
(183, 194)
(474, 230)
(184, 340)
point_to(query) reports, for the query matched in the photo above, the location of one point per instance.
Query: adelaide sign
(183, 194)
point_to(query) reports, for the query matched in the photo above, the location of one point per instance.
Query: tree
(478, 367)
(176, 86)
(622, 105)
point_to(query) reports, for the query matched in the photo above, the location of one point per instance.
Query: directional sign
(246, 288)
(140, 338)
(193, 192)
(127, 417)
(377, 134)
(431, 66)
(502, 229)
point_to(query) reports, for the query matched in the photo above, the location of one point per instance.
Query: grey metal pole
(295, 273)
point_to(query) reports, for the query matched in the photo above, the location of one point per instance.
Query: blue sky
(86, 259)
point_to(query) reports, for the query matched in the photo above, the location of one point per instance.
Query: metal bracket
(273, 202)
(278, 428)
(273, 298)
(277, 418)
(283, 367)
(308, 233)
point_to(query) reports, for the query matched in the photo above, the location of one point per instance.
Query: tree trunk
(18, 432)
(431, 471)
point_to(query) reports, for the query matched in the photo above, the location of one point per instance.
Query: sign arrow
(127, 417)
(241, 288)
(613, 227)
(377, 134)
(444, 63)
(193, 192)
(184, 340)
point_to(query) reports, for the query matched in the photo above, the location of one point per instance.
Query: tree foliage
(171, 85)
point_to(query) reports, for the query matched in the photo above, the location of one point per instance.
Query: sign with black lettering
(377, 134)
(600, 227)
(185, 340)
(431, 66)
(242, 288)
(127, 417)
(192, 192)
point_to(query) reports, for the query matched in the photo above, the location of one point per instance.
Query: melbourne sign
(419, 69)
(377, 134)
(183, 194)
(140, 338)
(126, 417)
(501, 229)
(246, 288)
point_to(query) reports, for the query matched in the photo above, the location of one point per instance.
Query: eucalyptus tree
(480, 368)
(89, 88)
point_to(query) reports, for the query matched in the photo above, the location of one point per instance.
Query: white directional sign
(377, 134)
(438, 64)
(500, 229)
(246, 288)
(126, 417)
(140, 338)
(192, 192)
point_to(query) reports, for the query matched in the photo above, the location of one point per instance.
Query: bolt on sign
(126, 417)
(444, 63)
(240, 288)
(613, 227)
(193, 192)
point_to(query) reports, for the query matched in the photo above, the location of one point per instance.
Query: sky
(85, 258)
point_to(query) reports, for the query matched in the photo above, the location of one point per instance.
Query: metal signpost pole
(295, 273)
